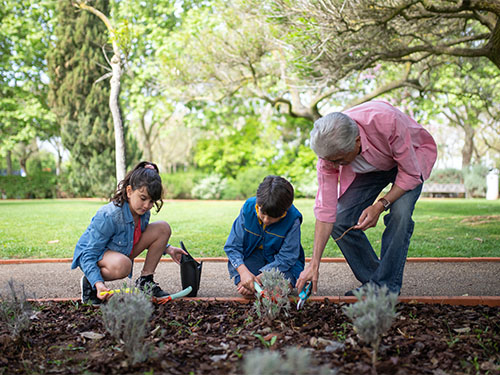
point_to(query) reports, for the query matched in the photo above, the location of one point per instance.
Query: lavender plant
(126, 317)
(274, 298)
(15, 310)
(372, 315)
(296, 361)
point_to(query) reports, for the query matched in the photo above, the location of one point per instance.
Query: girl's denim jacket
(112, 228)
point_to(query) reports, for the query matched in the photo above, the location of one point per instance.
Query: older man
(360, 152)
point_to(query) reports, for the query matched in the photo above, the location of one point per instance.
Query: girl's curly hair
(144, 174)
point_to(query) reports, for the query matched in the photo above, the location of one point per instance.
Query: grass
(51, 228)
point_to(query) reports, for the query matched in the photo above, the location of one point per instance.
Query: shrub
(296, 361)
(15, 310)
(307, 186)
(126, 317)
(245, 184)
(446, 176)
(211, 187)
(372, 315)
(475, 180)
(274, 298)
(179, 185)
(40, 185)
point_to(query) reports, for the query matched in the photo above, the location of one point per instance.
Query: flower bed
(203, 337)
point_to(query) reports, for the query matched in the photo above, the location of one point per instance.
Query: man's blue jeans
(357, 250)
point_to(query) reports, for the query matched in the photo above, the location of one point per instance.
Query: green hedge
(42, 185)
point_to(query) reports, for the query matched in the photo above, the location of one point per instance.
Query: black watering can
(190, 272)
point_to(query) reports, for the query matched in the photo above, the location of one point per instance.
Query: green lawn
(50, 228)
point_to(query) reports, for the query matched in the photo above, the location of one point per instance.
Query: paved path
(469, 278)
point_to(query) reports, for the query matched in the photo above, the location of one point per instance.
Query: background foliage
(227, 91)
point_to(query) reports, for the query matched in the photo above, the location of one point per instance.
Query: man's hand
(311, 272)
(175, 253)
(369, 216)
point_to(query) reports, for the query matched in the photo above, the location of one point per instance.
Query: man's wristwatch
(385, 203)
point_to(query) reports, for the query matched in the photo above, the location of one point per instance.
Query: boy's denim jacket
(112, 228)
(282, 249)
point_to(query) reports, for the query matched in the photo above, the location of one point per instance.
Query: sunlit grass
(51, 228)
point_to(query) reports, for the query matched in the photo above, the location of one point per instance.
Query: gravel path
(481, 278)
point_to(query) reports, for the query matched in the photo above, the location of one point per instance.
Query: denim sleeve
(289, 252)
(234, 243)
(100, 231)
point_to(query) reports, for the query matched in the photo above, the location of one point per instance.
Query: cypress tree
(80, 104)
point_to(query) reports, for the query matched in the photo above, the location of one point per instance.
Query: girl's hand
(175, 253)
(101, 287)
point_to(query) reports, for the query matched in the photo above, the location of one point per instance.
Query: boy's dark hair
(274, 196)
(144, 174)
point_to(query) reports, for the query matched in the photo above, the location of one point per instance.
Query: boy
(265, 235)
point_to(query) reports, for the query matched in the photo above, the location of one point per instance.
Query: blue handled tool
(182, 293)
(304, 295)
(257, 287)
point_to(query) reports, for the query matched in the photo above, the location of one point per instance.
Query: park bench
(435, 190)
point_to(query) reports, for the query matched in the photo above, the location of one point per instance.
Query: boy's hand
(244, 291)
(101, 287)
(247, 279)
(175, 253)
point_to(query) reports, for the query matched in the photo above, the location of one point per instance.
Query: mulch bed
(202, 337)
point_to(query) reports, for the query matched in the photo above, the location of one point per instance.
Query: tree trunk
(9, 162)
(494, 45)
(22, 162)
(148, 142)
(468, 148)
(114, 106)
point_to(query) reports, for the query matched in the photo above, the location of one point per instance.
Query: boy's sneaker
(148, 286)
(89, 294)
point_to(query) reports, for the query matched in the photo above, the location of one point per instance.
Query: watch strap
(385, 203)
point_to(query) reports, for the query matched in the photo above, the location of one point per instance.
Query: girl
(120, 231)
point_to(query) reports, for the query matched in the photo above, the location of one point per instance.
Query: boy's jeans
(359, 253)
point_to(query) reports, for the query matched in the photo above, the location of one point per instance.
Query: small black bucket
(190, 272)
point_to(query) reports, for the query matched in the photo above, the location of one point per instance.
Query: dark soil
(202, 337)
